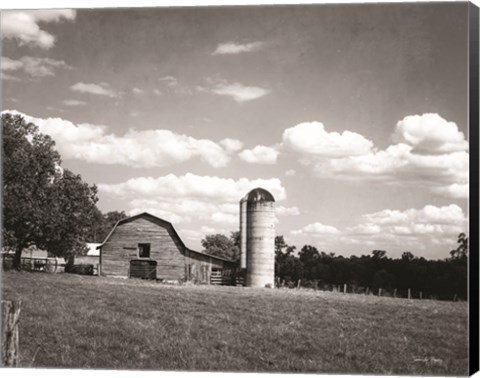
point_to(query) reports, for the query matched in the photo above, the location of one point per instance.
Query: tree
(378, 254)
(462, 250)
(42, 204)
(407, 256)
(221, 246)
(66, 226)
(30, 164)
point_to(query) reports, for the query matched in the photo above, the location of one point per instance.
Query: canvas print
(236, 188)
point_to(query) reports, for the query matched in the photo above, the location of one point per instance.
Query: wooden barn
(149, 247)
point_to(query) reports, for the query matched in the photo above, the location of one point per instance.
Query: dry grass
(80, 321)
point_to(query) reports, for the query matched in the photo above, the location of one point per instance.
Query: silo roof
(260, 195)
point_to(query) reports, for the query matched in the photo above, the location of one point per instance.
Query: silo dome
(259, 195)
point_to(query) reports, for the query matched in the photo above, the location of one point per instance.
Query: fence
(39, 264)
(220, 278)
(47, 264)
(355, 289)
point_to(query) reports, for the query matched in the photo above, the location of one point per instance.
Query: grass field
(81, 321)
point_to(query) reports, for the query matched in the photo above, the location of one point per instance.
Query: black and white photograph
(252, 188)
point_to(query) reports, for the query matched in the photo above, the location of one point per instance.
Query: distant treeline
(441, 279)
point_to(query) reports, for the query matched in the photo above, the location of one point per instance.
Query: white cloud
(290, 173)
(239, 92)
(430, 153)
(193, 186)
(8, 64)
(316, 229)
(101, 89)
(311, 138)
(393, 230)
(33, 67)
(23, 26)
(146, 148)
(236, 48)
(70, 102)
(157, 92)
(260, 155)
(137, 91)
(453, 190)
(231, 145)
(430, 134)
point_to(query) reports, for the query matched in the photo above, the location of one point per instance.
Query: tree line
(442, 279)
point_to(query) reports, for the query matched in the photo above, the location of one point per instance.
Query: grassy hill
(80, 321)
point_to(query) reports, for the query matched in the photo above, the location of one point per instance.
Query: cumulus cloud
(146, 148)
(311, 138)
(316, 229)
(231, 145)
(429, 152)
(290, 173)
(193, 186)
(33, 67)
(239, 92)
(101, 89)
(260, 155)
(23, 26)
(430, 134)
(393, 230)
(430, 221)
(236, 48)
(137, 91)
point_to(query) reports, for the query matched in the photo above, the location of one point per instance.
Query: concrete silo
(243, 233)
(260, 238)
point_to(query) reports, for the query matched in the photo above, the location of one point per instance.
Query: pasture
(95, 322)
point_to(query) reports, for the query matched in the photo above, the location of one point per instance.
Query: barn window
(144, 250)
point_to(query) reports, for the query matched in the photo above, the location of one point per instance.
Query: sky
(355, 117)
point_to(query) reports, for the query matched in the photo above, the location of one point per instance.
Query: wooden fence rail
(10, 319)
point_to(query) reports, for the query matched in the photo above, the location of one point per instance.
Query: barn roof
(163, 223)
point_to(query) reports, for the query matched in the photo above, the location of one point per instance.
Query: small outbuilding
(147, 245)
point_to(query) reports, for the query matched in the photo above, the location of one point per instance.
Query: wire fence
(347, 288)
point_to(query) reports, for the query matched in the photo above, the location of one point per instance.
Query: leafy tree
(42, 205)
(30, 164)
(102, 224)
(462, 250)
(221, 246)
(407, 256)
(71, 203)
(378, 254)
(235, 238)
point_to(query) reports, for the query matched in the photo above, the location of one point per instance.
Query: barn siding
(174, 260)
(122, 245)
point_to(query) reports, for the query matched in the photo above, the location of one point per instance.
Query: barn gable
(149, 238)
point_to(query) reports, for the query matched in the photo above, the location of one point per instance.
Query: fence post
(395, 293)
(344, 288)
(379, 291)
(421, 295)
(298, 283)
(409, 294)
(10, 317)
